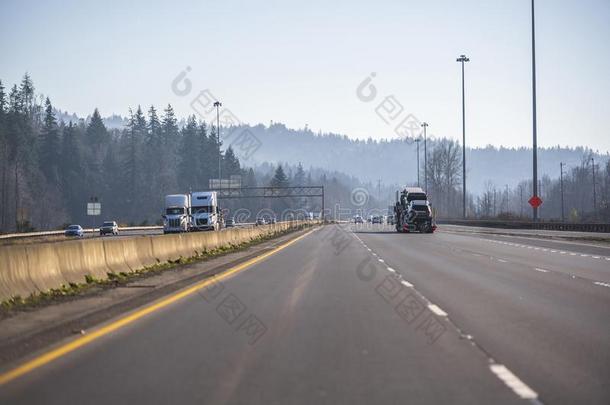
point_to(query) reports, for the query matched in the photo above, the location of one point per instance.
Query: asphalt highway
(362, 315)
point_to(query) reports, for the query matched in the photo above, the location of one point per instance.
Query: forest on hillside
(50, 169)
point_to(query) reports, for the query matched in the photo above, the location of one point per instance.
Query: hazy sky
(300, 62)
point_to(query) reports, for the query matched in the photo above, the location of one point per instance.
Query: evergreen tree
(170, 127)
(49, 150)
(230, 163)
(189, 174)
(168, 162)
(131, 163)
(154, 128)
(97, 133)
(70, 173)
(299, 176)
(279, 178)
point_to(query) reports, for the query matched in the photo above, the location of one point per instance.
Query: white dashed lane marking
(602, 284)
(541, 270)
(406, 283)
(561, 252)
(436, 310)
(513, 382)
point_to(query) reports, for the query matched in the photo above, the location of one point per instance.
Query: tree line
(51, 169)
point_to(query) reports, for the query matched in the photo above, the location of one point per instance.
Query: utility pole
(594, 193)
(418, 140)
(425, 125)
(218, 104)
(534, 127)
(563, 218)
(507, 203)
(463, 59)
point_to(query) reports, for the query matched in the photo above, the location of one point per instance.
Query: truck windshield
(174, 211)
(416, 196)
(201, 210)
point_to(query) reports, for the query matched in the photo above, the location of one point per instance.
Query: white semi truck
(176, 217)
(205, 213)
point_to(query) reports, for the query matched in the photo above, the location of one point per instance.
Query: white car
(109, 227)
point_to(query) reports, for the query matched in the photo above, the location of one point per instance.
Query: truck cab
(176, 216)
(205, 213)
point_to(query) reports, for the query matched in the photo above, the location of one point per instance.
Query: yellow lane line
(71, 346)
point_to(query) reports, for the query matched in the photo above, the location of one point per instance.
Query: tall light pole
(534, 132)
(425, 125)
(561, 164)
(463, 59)
(218, 104)
(418, 140)
(594, 194)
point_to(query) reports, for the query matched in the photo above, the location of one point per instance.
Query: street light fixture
(424, 126)
(218, 104)
(462, 59)
(418, 140)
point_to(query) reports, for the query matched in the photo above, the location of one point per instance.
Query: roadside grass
(113, 280)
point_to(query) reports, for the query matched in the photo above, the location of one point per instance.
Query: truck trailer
(412, 211)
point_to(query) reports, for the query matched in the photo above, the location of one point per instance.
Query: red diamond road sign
(535, 201)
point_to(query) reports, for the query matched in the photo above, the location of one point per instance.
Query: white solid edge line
(436, 310)
(541, 270)
(601, 283)
(406, 283)
(513, 382)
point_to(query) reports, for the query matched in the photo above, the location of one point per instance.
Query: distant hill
(113, 122)
(392, 161)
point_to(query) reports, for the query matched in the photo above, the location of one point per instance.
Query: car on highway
(74, 230)
(261, 221)
(390, 219)
(109, 227)
(377, 220)
(358, 219)
(229, 223)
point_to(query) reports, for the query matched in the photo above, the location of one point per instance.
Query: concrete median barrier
(15, 277)
(43, 266)
(70, 261)
(115, 256)
(34, 268)
(94, 259)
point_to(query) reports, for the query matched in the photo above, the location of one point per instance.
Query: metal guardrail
(94, 230)
(85, 230)
(547, 226)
